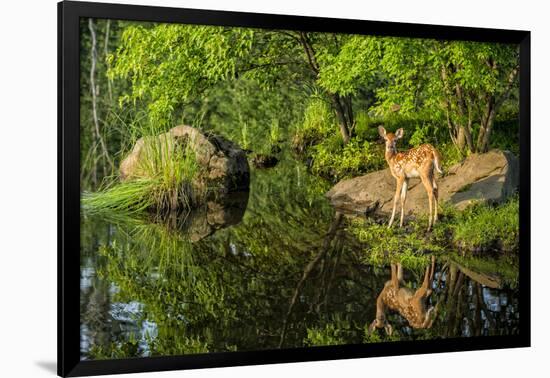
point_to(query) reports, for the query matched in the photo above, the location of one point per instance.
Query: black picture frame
(69, 13)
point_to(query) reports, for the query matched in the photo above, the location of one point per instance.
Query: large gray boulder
(487, 178)
(223, 165)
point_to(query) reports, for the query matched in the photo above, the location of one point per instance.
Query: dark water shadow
(203, 221)
(49, 366)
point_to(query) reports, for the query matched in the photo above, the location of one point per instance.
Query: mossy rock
(480, 178)
(223, 167)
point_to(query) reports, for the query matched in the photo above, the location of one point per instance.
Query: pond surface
(272, 268)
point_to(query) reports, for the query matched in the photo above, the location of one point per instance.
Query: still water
(275, 267)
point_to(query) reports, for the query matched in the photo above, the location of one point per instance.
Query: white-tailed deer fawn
(410, 304)
(416, 162)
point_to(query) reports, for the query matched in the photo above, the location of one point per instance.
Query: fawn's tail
(437, 161)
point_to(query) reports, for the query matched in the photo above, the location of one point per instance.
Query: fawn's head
(390, 138)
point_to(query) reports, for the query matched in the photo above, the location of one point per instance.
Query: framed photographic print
(239, 188)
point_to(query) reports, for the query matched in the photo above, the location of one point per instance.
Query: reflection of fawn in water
(410, 304)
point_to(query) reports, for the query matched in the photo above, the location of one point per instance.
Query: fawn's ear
(382, 131)
(399, 133)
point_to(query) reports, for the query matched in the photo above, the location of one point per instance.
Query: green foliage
(132, 196)
(329, 335)
(486, 227)
(169, 65)
(410, 246)
(227, 108)
(450, 155)
(506, 267)
(457, 83)
(233, 289)
(478, 229)
(245, 138)
(166, 180)
(113, 350)
(339, 332)
(242, 82)
(334, 161)
(354, 65)
(506, 135)
(274, 132)
(318, 124)
(166, 346)
(365, 127)
(378, 337)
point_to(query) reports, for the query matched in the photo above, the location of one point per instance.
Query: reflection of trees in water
(288, 269)
(465, 309)
(460, 297)
(232, 289)
(95, 305)
(97, 326)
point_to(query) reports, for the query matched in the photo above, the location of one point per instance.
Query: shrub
(334, 161)
(488, 227)
(410, 246)
(318, 124)
(477, 229)
(329, 335)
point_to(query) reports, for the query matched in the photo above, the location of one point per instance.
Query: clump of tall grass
(245, 138)
(318, 123)
(164, 180)
(487, 227)
(480, 228)
(411, 247)
(274, 132)
(130, 196)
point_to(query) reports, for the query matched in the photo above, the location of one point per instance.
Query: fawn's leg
(395, 198)
(400, 273)
(421, 292)
(428, 186)
(403, 198)
(436, 197)
(432, 272)
(431, 278)
(395, 275)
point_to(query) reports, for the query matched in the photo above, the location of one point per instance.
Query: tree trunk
(484, 146)
(459, 135)
(461, 138)
(343, 121)
(469, 140)
(106, 53)
(94, 89)
(488, 118)
(486, 126)
(342, 105)
(465, 132)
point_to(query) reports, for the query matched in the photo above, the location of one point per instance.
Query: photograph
(257, 189)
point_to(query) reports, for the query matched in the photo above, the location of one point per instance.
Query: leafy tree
(171, 65)
(239, 81)
(463, 84)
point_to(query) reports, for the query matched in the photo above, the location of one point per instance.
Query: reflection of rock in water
(205, 220)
